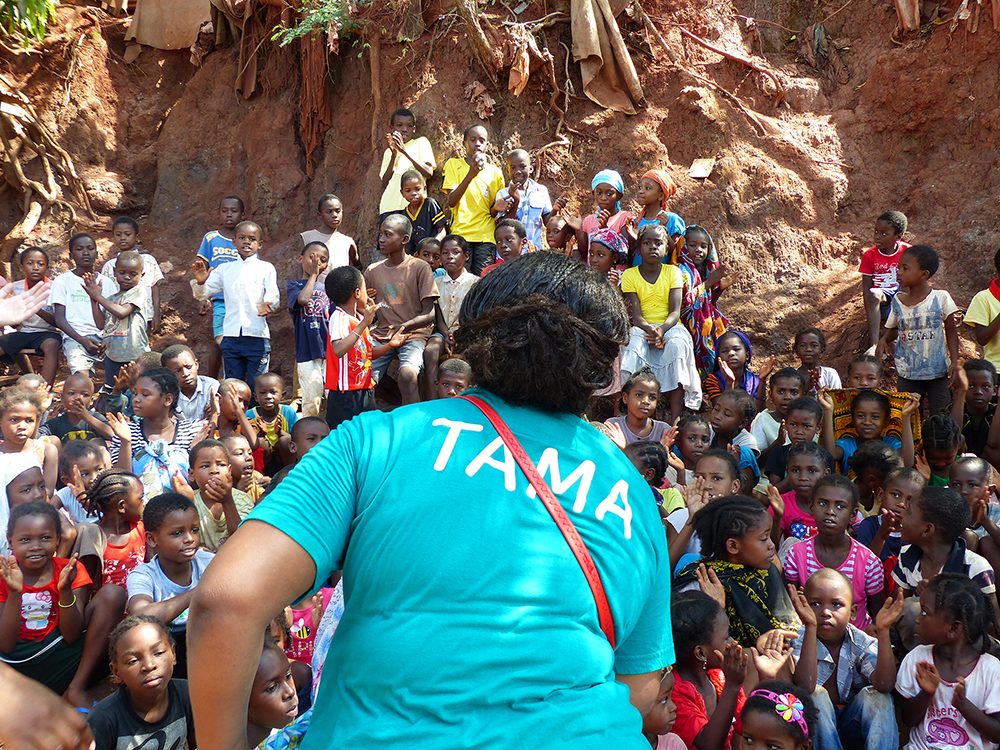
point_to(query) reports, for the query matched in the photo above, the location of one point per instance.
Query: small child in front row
(221, 507)
(273, 701)
(310, 310)
(123, 318)
(950, 685)
(126, 232)
(778, 714)
(51, 630)
(349, 381)
(923, 324)
(640, 394)
(658, 723)
(768, 427)
(809, 345)
(454, 376)
(834, 506)
(149, 707)
(162, 587)
(855, 673)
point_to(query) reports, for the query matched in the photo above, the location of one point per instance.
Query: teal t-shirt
(467, 620)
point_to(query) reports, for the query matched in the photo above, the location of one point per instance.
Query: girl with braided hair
(950, 685)
(942, 437)
(114, 546)
(735, 535)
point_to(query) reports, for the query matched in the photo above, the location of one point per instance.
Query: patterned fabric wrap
(612, 178)
(698, 312)
(844, 427)
(666, 184)
(613, 241)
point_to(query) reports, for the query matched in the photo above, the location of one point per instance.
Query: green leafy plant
(316, 16)
(27, 18)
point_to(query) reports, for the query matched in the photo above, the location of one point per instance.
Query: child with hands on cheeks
(221, 507)
(653, 294)
(972, 477)
(949, 685)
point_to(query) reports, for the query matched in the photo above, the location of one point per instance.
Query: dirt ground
(911, 125)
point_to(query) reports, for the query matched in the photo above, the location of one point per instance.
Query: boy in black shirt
(424, 213)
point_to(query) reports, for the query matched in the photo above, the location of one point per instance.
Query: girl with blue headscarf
(608, 188)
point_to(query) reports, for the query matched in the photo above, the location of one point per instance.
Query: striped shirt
(184, 433)
(800, 562)
(353, 371)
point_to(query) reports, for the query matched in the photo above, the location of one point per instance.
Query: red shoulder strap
(554, 508)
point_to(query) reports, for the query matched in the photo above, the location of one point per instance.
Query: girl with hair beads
(639, 398)
(809, 345)
(655, 190)
(653, 293)
(150, 709)
(735, 536)
(778, 716)
(942, 437)
(950, 685)
(705, 279)
(734, 356)
(116, 545)
(711, 671)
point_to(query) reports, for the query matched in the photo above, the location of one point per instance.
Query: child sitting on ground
(734, 356)
(78, 420)
(924, 322)
(716, 474)
(80, 461)
(795, 726)
(221, 507)
(119, 401)
(735, 536)
(73, 310)
(658, 723)
(879, 270)
(234, 398)
(984, 317)
(424, 213)
(123, 316)
(471, 185)
(650, 459)
(834, 505)
(51, 630)
(864, 371)
(452, 287)
(973, 405)
(693, 438)
(942, 438)
(807, 463)
(869, 417)
(20, 409)
(273, 701)
(197, 391)
(429, 251)
(809, 345)
(768, 427)
(454, 376)
(162, 587)
(116, 545)
(149, 705)
(126, 233)
(640, 394)
(250, 289)
(729, 418)
(950, 686)
(880, 532)
(306, 433)
(404, 152)
(855, 673)
(510, 240)
(241, 466)
(802, 424)
(273, 420)
(38, 332)
(524, 199)
(972, 477)
(653, 294)
(310, 310)
(342, 249)
(870, 466)
(405, 294)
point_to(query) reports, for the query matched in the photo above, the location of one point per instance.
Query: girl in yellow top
(653, 293)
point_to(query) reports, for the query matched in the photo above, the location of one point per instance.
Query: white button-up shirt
(245, 284)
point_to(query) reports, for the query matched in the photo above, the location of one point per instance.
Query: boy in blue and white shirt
(218, 247)
(530, 204)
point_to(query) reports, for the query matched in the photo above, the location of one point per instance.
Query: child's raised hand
(10, 573)
(921, 465)
(892, 608)
(561, 201)
(814, 376)
(695, 497)
(891, 520)
(709, 583)
(200, 271)
(181, 486)
(782, 433)
(76, 484)
(667, 441)
(68, 574)
(664, 218)
(119, 426)
(602, 218)
(735, 452)
(678, 464)
(771, 657)
(91, 285)
(824, 398)
(572, 220)
(614, 431)
(727, 371)
(768, 368)
(927, 677)
(979, 510)
(961, 381)
(614, 276)
(910, 406)
(776, 501)
(734, 664)
(801, 605)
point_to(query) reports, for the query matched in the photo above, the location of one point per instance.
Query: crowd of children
(834, 535)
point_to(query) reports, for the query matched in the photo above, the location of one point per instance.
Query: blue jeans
(245, 357)
(868, 721)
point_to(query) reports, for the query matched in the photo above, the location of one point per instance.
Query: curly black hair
(873, 396)
(758, 702)
(725, 456)
(542, 330)
(650, 455)
(946, 509)
(926, 257)
(810, 331)
(726, 518)
(161, 506)
(866, 359)
(809, 448)
(981, 365)
(35, 508)
(788, 373)
(958, 597)
(897, 219)
(691, 616)
(807, 404)
(941, 433)
(876, 456)
(742, 401)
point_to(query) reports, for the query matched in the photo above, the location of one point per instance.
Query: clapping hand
(10, 574)
(928, 677)
(708, 582)
(68, 575)
(770, 656)
(776, 501)
(734, 664)
(200, 270)
(801, 605)
(891, 609)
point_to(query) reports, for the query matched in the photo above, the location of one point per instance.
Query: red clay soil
(913, 128)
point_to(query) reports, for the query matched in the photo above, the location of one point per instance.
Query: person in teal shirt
(467, 619)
